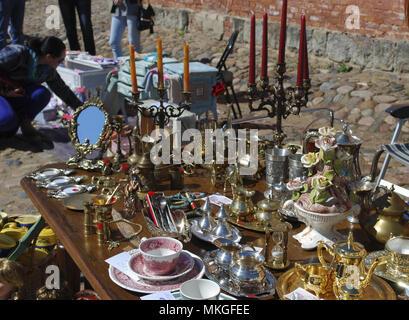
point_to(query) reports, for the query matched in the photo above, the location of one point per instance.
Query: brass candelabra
(161, 114)
(278, 101)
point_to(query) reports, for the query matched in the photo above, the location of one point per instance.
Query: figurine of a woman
(130, 190)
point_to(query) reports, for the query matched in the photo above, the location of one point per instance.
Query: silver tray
(70, 190)
(194, 228)
(50, 173)
(218, 274)
(58, 182)
(380, 270)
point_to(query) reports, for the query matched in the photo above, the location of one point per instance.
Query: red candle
(283, 33)
(252, 49)
(264, 49)
(306, 71)
(301, 55)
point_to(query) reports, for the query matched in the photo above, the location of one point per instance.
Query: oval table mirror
(88, 130)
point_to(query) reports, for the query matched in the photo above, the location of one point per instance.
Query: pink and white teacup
(160, 254)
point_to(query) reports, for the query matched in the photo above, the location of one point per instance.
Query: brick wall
(378, 18)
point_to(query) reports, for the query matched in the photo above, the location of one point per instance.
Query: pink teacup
(160, 254)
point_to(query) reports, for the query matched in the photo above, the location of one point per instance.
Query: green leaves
(329, 174)
(338, 166)
(304, 188)
(318, 197)
(327, 156)
(296, 196)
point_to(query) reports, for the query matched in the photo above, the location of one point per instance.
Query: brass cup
(397, 249)
(101, 199)
(316, 278)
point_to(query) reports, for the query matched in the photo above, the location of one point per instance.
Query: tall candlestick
(132, 67)
(186, 78)
(283, 33)
(264, 48)
(306, 71)
(301, 56)
(159, 62)
(252, 63)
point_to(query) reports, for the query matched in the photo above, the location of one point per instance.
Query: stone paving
(358, 96)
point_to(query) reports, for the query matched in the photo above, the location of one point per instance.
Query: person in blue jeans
(83, 7)
(125, 13)
(11, 19)
(22, 71)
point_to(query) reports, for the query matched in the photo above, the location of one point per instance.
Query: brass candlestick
(119, 157)
(277, 101)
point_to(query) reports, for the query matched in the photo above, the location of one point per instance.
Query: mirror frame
(79, 160)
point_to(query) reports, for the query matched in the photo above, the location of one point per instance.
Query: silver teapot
(247, 268)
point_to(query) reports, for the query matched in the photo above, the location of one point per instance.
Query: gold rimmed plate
(76, 202)
(378, 289)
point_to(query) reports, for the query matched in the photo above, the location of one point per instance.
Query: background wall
(380, 18)
(371, 33)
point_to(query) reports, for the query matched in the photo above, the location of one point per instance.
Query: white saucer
(184, 265)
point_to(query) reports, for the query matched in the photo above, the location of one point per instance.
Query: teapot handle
(321, 246)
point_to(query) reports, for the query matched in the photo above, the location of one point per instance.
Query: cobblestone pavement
(358, 96)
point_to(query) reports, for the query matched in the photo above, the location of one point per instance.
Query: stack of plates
(138, 278)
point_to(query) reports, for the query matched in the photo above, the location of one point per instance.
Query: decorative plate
(143, 286)
(184, 265)
(58, 182)
(49, 173)
(236, 236)
(380, 270)
(76, 202)
(70, 190)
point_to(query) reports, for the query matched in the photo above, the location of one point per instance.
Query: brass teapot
(389, 220)
(242, 205)
(348, 266)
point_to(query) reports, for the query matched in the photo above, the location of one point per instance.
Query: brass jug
(348, 266)
(242, 206)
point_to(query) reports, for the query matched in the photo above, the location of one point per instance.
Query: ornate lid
(349, 249)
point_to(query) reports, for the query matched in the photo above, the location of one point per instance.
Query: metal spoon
(165, 209)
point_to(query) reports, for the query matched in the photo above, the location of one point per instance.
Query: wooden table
(90, 257)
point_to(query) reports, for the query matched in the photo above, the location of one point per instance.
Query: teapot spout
(364, 283)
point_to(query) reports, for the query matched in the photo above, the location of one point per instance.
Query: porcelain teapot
(347, 264)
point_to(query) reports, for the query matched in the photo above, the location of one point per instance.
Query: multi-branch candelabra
(161, 113)
(278, 101)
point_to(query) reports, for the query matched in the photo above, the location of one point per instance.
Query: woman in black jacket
(22, 71)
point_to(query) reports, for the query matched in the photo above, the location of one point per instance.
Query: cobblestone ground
(357, 96)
